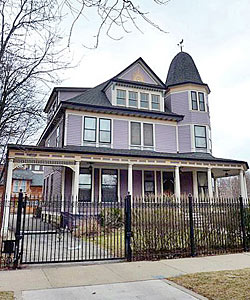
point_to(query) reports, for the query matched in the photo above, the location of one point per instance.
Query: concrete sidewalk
(73, 275)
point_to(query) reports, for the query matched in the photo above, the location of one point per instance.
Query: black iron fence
(169, 228)
(62, 230)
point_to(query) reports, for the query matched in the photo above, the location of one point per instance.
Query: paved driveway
(146, 290)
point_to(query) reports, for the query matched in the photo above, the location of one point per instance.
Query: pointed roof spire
(183, 70)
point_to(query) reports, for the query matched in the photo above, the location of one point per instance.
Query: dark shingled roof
(183, 70)
(94, 96)
(95, 99)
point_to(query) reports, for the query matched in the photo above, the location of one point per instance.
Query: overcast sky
(216, 34)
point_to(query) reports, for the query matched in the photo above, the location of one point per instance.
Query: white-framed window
(89, 129)
(200, 137)
(97, 131)
(141, 135)
(155, 102)
(198, 101)
(194, 100)
(104, 130)
(57, 136)
(144, 100)
(132, 99)
(121, 97)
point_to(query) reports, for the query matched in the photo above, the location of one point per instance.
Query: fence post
(18, 229)
(128, 233)
(243, 226)
(191, 224)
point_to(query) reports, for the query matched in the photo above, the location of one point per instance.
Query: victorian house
(132, 133)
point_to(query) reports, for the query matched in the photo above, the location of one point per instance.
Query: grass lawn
(113, 242)
(222, 285)
(6, 296)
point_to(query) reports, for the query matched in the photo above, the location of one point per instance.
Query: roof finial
(181, 44)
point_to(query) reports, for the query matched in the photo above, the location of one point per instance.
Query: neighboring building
(31, 183)
(132, 133)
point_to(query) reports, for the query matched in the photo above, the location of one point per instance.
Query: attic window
(156, 102)
(133, 96)
(121, 97)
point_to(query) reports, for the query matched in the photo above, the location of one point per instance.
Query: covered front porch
(106, 175)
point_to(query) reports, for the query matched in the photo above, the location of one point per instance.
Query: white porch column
(177, 186)
(209, 183)
(7, 196)
(242, 184)
(245, 183)
(216, 190)
(62, 189)
(130, 179)
(195, 185)
(76, 187)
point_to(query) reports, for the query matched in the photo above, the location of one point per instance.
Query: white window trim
(139, 91)
(97, 143)
(193, 147)
(142, 147)
(198, 102)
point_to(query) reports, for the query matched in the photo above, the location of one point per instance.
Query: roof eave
(120, 110)
(189, 82)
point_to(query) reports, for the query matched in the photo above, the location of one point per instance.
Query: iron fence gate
(66, 230)
(60, 230)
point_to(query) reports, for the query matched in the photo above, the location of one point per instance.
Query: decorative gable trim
(145, 67)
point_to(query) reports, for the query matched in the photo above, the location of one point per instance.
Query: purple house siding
(168, 102)
(186, 179)
(158, 182)
(120, 134)
(137, 183)
(123, 183)
(180, 105)
(74, 130)
(184, 139)
(165, 138)
(96, 185)
(68, 183)
(57, 182)
(129, 75)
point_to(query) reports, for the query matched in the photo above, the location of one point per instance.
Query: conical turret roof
(183, 70)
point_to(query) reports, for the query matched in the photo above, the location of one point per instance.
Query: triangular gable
(139, 71)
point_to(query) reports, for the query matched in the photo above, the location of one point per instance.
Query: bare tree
(32, 52)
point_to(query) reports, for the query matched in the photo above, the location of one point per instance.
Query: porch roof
(192, 156)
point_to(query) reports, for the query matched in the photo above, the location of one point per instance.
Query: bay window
(200, 136)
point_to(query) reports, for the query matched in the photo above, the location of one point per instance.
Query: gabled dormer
(136, 87)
